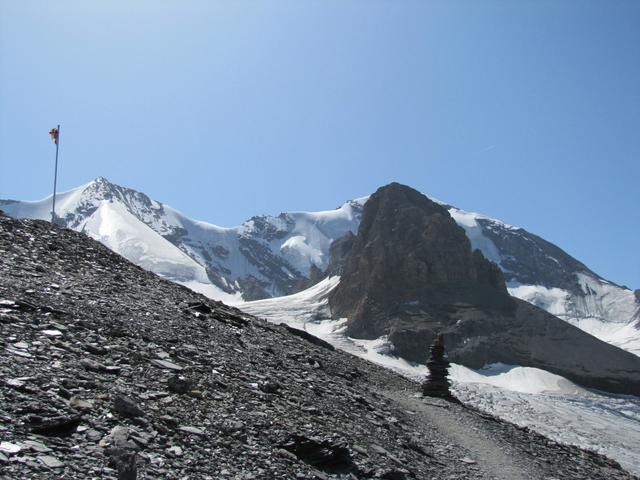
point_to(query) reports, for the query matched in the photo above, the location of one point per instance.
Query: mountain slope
(541, 273)
(277, 255)
(110, 371)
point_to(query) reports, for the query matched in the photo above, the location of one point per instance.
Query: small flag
(54, 135)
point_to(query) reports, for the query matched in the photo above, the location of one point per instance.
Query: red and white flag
(54, 135)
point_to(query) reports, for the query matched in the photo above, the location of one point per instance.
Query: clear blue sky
(525, 110)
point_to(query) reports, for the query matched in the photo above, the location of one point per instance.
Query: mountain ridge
(269, 256)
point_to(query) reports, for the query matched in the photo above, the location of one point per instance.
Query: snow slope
(269, 256)
(542, 274)
(265, 256)
(531, 397)
(113, 224)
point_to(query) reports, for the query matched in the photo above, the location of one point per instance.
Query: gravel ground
(109, 372)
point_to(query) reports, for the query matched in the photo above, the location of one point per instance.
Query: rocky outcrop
(409, 255)
(339, 254)
(411, 272)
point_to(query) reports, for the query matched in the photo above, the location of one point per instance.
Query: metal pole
(55, 178)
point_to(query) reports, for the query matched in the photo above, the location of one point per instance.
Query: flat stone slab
(37, 446)
(51, 462)
(192, 430)
(51, 333)
(166, 365)
(8, 447)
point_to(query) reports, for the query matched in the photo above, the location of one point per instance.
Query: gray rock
(118, 436)
(35, 446)
(9, 448)
(175, 451)
(50, 461)
(270, 387)
(81, 404)
(126, 407)
(180, 384)
(166, 365)
(124, 461)
(191, 430)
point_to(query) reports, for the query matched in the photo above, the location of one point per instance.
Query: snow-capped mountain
(269, 256)
(266, 256)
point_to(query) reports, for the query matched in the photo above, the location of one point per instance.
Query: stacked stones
(437, 384)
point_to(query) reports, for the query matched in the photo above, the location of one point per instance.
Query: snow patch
(553, 300)
(469, 221)
(516, 379)
(213, 292)
(113, 225)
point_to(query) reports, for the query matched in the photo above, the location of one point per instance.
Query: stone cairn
(437, 384)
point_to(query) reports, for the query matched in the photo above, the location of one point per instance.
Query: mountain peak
(100, 188)
(410, 252)
(102, 180)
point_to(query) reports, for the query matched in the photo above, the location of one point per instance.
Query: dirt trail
(463, 430)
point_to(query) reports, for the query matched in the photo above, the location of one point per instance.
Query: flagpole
(55, 178)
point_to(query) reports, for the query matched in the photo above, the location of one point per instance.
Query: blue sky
(528, 111)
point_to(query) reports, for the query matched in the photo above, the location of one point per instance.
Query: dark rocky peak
(410, 274)
(409, 253)
(637, 294)
(339, 254)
